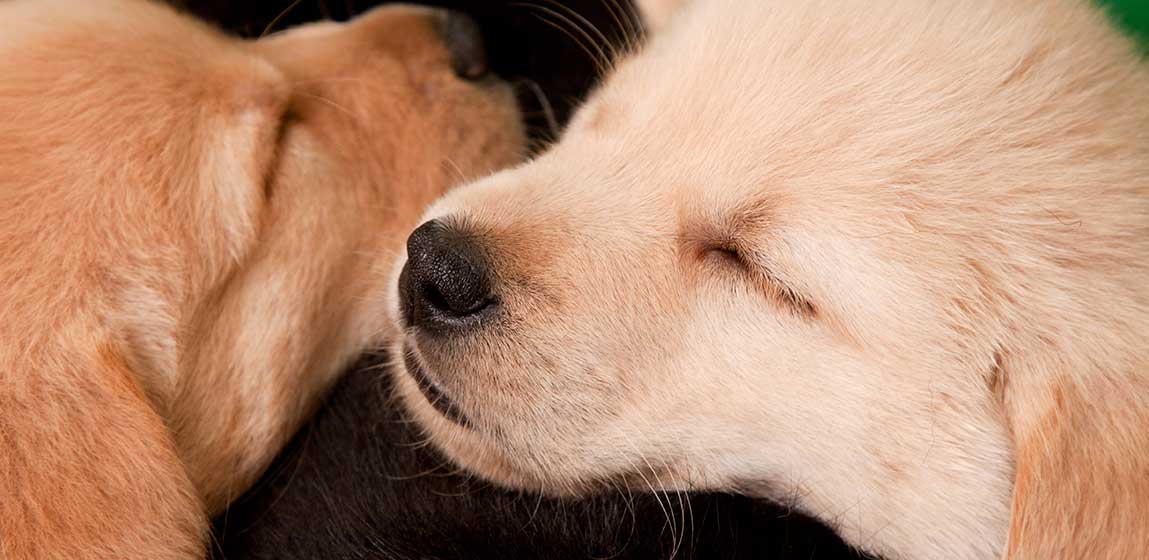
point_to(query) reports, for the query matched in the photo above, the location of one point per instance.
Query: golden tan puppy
(887, 260)
(190, 228)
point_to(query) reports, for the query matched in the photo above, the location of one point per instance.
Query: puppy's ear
(1081, 487)
(655, 13)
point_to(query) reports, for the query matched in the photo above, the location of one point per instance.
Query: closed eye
(287, 119)
(731, 260)
(727, 256)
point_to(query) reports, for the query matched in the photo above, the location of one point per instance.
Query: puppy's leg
(87, 468)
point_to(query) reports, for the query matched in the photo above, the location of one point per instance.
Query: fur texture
(189, 224)
(551, 52)
(886, 259)
(361, 482)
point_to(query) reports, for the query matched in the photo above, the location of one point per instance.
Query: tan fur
(191, 229)
(885, 260)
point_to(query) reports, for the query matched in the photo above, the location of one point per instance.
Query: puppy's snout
(465, 42)
(444, 286)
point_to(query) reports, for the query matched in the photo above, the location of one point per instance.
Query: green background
(1133, 15)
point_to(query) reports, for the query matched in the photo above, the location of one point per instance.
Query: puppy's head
(222, 206)
(805, 251)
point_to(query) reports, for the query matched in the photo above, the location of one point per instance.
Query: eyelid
(763, 278)
(727, 253)
(286, 119)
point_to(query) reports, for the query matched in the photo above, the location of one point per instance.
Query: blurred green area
(1133, 15)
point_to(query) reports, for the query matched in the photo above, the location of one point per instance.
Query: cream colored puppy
(190, 234)
(885, 259)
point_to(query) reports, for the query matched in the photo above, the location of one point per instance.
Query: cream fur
(191, 233)
(655, 13)
(885, 260)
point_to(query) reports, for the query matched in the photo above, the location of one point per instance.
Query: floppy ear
(1081, 437)
(655, 13)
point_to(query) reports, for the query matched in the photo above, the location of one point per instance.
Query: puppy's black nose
(465, 41)
(444, 286)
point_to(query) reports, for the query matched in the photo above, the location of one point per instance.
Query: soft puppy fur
(191, 233)
(883, 259)
(550, 52)
(359, 480)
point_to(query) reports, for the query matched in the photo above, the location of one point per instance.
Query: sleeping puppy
(358, 480)
(887, 259)
(191, 229)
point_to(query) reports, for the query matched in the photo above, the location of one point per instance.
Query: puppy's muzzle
(445, 286)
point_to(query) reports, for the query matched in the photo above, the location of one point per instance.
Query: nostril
(445, 281)
(461, 298)
(465, 42)
(434, 297)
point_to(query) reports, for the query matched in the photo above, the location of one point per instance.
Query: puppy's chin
(472, 449)
(461, 444)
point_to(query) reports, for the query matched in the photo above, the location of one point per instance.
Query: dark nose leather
(465, 42)
(444, 286)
